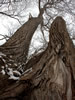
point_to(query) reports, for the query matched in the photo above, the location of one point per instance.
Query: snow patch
(3, 72)
(6, 65)
(14, 78)
(2, 67)
(15, 64)
(11, 74)
(17, 72)
(4, 60)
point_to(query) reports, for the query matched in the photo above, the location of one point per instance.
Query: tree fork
(50, 75)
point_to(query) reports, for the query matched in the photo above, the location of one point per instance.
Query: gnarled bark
(49, 74)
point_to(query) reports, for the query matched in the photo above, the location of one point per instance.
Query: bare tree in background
(48, 75)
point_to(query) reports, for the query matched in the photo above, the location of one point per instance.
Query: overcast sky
(9, 25)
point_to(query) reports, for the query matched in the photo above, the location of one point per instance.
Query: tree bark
(48, 75)
(13, 54)
(18, 44)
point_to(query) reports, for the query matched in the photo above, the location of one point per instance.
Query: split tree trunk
(49, 74)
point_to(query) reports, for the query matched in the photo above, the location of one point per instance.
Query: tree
(47, 75)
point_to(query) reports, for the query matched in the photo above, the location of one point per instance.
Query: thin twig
(10, 16)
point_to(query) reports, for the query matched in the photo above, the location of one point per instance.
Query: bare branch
(11, 16)
(6, 37)
(39, 2)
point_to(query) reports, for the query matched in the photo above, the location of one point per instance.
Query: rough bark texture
(13, 54)
(50, 75)
(18, 44)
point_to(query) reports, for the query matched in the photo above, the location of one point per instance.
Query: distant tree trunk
(49, 74)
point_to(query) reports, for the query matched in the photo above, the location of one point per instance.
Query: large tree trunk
(49, 74)
(13, 54)
(18, 45)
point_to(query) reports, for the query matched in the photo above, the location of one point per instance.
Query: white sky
(8, 24)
